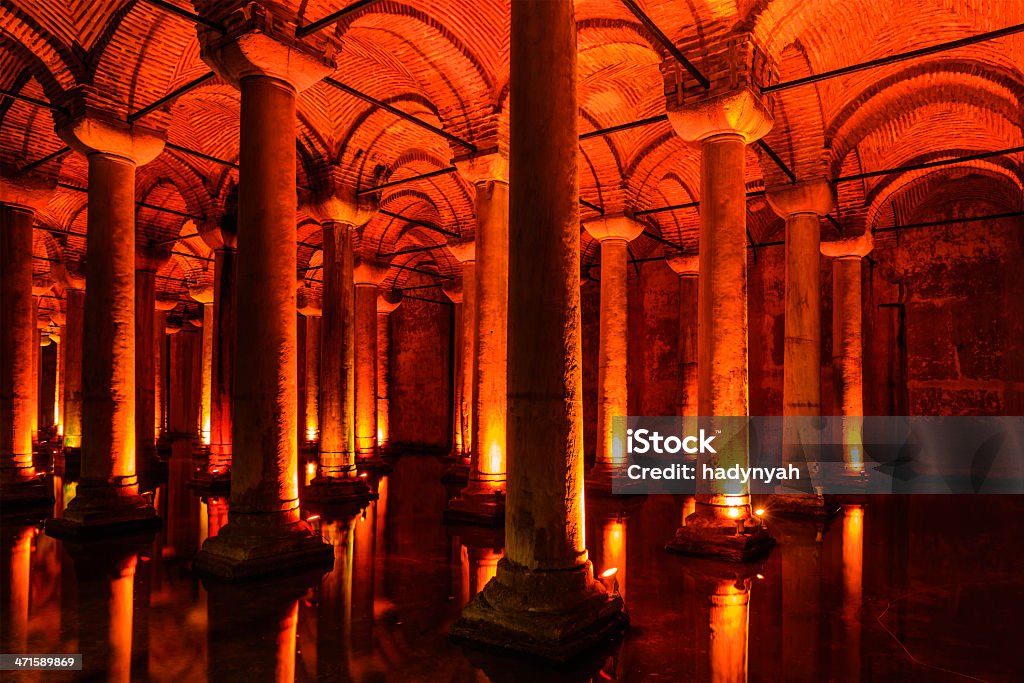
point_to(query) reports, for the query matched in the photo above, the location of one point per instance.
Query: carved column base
(102, 510)
(477, 507)
(801, 505)
(251, 546)
(339, 491)
(722, 539)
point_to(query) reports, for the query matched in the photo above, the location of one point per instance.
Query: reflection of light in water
(310, 432)
(310, 472)
(478, 566)
(853, 571)
(206, 430)
(613, 551)
(689, 507)
(729, 623)
(18, 578)
(121, 610)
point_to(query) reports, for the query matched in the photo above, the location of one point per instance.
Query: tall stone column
(366, 275)
(19, 200)
(544, 599)
(802, 205)
(147, 262)
(60, 320)
(723, 525)
(312, 328)
(614, 234)
(74, 306)
(483, 499)
(221, 237)
(160, 364)
(387, 302)
(204, 295)
(108, 500)
(337, 480)
(260, 56)
(463, 295)
(848, 342)
(688, 269)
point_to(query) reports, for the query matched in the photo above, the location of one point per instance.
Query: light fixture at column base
(250, 548)
(800, 505)
(721, 540)
(26, 495)
(338, 491)
(553, 615)
(104, 511)
(487, 509)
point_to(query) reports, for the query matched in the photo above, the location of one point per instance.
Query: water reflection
(845, 602)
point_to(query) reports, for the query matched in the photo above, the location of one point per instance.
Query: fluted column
(724, 524)
(614, 234)
(387, 302)
(18, 203)
(108, 499)
(270, 67)
(544, 599)
(848, 342)
(367, 275)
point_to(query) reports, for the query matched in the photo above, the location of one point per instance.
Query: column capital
(26, 190)
(88, 129)
(388, 301)
(849, 247)
(307, 305)
(332, 200)
(453, 290)
(737, 112)
(151, 259)
(58, 318)
(369, 272)
(201, 293)
(68, 278)
(484, 167)
(615, 227)
(684, 264)
(260, 41)
(165, 304)
(220, 232)
(41, 285)
(810, 196)
(462, 249)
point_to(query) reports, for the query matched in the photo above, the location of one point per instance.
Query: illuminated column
(334, 609)
(464, 252)
(19, 201)
(848, 342)
(221, 238)
(724, 525)
(544, 599)
(74, 305)
(269, 67)
(614, 233)
(15, 580)
(387, 302)
(204, 295)
(687, 268)
(802, 205)
(311, 317)
(366, 275)
(160, 365)
(343, 418)
(853, 589)
(483, 499)
(60, 320)
(147, 262)
(108, 499)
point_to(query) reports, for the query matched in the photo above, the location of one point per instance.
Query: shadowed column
(221, 237)
(387, 302)
(688, 270)
(463, 295)
(366, 275)
(544, 599)
(147, 263)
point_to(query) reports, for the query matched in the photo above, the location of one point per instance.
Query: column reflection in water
(478, 550)
(721, 598)
(334, 608)
(14, 584)
(853, 574)
(800, 544)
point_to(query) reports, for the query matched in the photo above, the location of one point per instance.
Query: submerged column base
(258, 545)
(722, 539)
(104, 510)
(554, 615)
(810, 505)
(28, 493)
(457, 472)
(339, 491)
(483, 507)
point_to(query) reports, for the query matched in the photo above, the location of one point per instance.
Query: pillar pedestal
(265, 534)
(108, 501)
(544, 600)
(723, 525)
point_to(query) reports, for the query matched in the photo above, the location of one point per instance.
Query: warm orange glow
(729, 621)
(206, 427)
(759, 512)
(310, 472)
(21, 565)
(733, 513)
(310, 430)
(494, 442)
(734, 501)
(608, 573)
(122, 590)
(613, 551)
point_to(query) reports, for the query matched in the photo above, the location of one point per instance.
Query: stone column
(483, 499)
(58, 318)
(463, 296)
(19, 200)
(614, 234)
(108, 500)
(221, 238)
(313, 329)
(147, 262)
(261, 57)
(387, 302)
(687, 268)
(367, 275)
(74, 305)
(848, 342)
(544, 599)
(802, 205)
(160, 364)
(723, 525)
(204, 295)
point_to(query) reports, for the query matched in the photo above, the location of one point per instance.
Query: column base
(606, 480)
(800, 505)
(373, 464)
(486, 509)
(554, 615)
(204, 483)
(100, 510)
(721, 540)
(252, 545)
(26, 495)
(456, 473)
(339, 491)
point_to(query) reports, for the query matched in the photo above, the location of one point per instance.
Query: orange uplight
(735, 500)
(206, 430)
(609, 573)
(759, 512)
(733, 513)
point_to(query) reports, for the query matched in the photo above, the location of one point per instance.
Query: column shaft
(73, 331)
(338, 354)
(17, 335)
(848, 354)
(160, 372)
(313, 374)
(801, 390)
(206, 397)
(145, 364)
(223, 361)
(611, 364)
(383, 378)
(467, 370)
(33, 385)
(366, 370)
(688, 344)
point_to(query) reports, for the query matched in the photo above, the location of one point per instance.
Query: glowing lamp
(759, 512)
(609, 573)
(733, 513)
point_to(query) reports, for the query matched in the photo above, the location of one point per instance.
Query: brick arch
(51, 59)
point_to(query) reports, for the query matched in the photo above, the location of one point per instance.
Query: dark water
(903, 589)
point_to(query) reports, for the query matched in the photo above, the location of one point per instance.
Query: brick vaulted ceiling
(447, 63)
